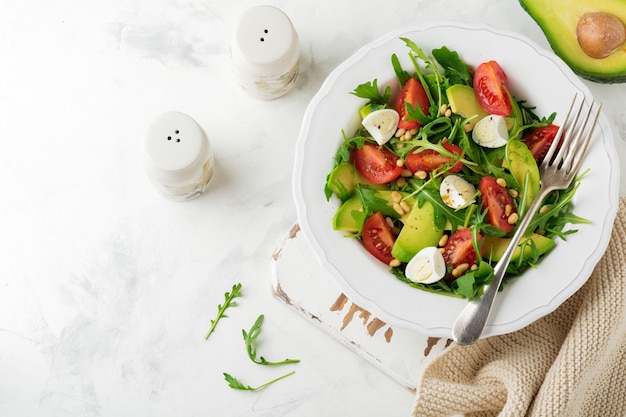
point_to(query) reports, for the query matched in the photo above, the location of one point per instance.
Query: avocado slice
(346, 220)
(494, 247)
(344, 177)
(558, 20)
(419, 231)
(522, 165)
(463, 102)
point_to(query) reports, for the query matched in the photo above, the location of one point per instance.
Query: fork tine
(555, 143)
(576, 157)
(571, 134)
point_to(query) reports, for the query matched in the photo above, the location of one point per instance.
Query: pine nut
(413, 132)
(460, 270)
(396, 196)
(406, 173)
(405, 206)
(398, 209)
(474, 267)
(448, 113)
(544, 209)
(508, 209)
(401, 182)
(394, 262)
(443, 241)
(400, 163)
(513, 193)
(389, 222)
(443, 108)
(468, 127)
(421, 175)
(400, 132)
(501, 182)
(407, 136)
(513, 218)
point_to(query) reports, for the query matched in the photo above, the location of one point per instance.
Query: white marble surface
(107, 289)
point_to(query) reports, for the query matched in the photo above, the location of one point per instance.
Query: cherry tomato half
(495, 199)
(429, 160)
(413, 93)
(375, 163)
(491, 88)
(539, 140)
(459, 249)
(377, 237)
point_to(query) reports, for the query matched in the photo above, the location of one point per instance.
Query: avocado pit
(599, 34)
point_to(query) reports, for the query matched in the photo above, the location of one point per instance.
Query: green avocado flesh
(494, 247)
(419, 231)
(558, 20)
(347, 220)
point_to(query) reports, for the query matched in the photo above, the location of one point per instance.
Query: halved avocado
(558, 20)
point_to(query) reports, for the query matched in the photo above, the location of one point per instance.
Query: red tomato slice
(459, 249)
(377, 238)
(496, 198)
(491, 88)
(412, 92)
(429, 160)
(539, 140)
(375, 163)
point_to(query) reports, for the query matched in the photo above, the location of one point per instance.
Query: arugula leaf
(372, 203)
(401, 74)
(455, 70)
(250, 338)
(236, 384)
(443, 213)
(370, 91)
(221, 308)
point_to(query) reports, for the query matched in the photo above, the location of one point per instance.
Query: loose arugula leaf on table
(250, 339)
(236, 384)
(229, 298)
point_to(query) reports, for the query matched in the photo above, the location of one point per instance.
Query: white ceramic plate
(534, 74)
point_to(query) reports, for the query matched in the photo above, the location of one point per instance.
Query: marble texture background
(107, 289)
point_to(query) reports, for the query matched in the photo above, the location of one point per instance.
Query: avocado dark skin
(558, 19)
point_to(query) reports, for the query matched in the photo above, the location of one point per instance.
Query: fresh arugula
(370, 91)
(455, 70)
(236, 384)
(250, 337)
(229, 301)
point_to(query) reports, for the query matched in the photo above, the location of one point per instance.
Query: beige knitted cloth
(569, 363)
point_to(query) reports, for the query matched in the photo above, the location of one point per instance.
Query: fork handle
(470, 324)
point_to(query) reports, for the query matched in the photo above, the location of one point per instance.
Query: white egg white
(427, 266)
(381, 124)
(456, 192)
(491, 132)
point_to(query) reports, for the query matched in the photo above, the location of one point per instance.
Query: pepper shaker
(265, 52)
(177, 156)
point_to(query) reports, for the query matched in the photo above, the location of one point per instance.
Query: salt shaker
(177, 156)
(265, 52)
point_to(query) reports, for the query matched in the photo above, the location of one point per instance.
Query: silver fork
(556, 172)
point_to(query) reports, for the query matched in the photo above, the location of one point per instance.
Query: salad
(435, 181)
